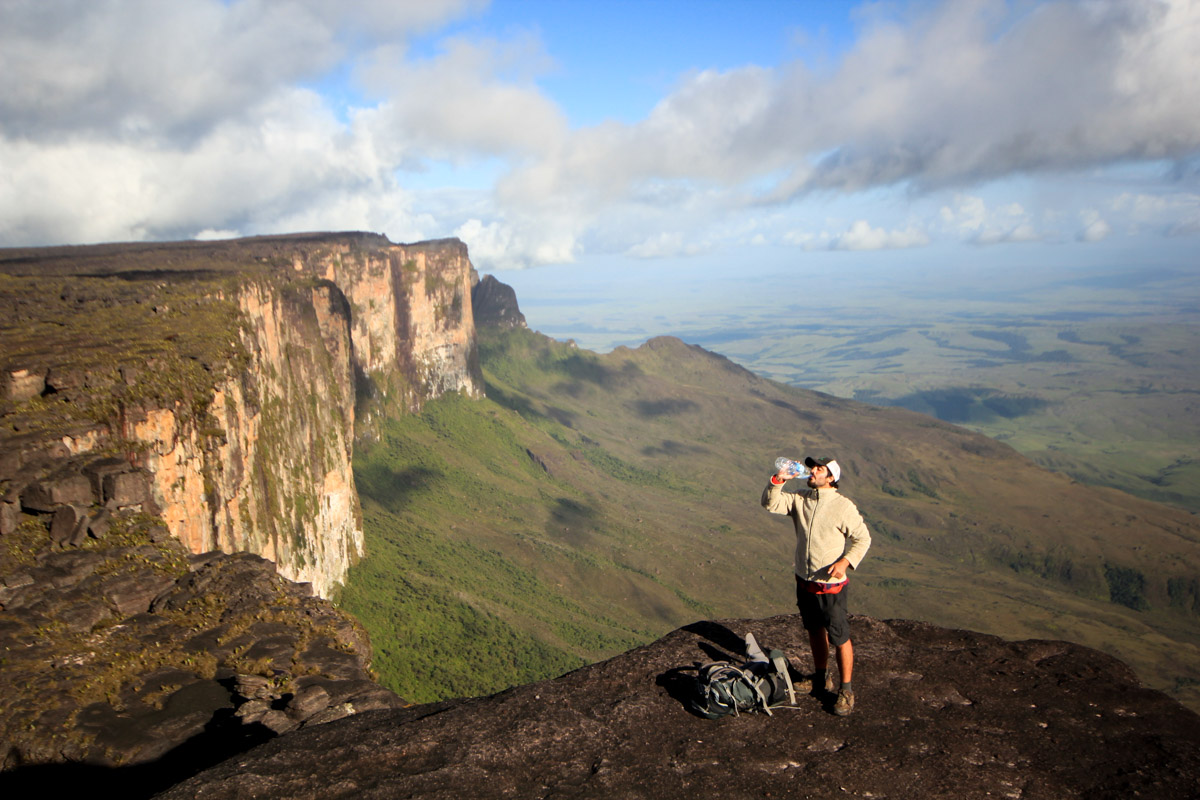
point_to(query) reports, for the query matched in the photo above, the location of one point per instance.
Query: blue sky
(615, 59)
(629, 146)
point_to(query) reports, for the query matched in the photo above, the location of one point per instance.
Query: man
(831, 538)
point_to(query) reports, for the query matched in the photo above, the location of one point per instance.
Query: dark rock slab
(124, 489)
(99, 523)
(66, 488)
(133, 591)
(244, 579)
(80, 612)
(307, 701)
(331, 660)
(67, 568)
(10, 517)
(138, 733)
(98, 469)
(66, 522)
(277, 722)
(273, 653)
(941, 713)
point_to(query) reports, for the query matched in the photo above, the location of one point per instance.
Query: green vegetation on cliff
(105, 345)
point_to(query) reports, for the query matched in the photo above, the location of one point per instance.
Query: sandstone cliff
(238, 437)
(411, 321)
(223, 384)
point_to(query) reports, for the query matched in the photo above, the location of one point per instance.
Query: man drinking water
(831, 538)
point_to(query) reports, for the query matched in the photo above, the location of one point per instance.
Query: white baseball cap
(835, 471)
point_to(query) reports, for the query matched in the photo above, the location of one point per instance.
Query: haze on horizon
(653, 158)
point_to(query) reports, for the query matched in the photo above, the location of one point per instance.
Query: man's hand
(837, 570)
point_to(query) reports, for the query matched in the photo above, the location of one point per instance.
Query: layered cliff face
(218, 383)
(238, 435)
(267, 468)
(412, 326)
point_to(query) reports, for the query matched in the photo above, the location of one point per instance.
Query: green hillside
(593, 503)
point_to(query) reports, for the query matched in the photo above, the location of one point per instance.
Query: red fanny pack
(819, 587)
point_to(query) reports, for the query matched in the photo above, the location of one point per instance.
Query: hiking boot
(844, 704)
(807, 684)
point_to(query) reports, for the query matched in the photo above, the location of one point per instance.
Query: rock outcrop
(495, 304)
(941, 713)
(138, 662)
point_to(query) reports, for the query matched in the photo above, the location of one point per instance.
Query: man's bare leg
(845, 660)
(818, 640)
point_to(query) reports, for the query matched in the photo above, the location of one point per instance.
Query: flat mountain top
(223, 255)
(940, 713)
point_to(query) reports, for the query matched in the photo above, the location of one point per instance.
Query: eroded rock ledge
(942, 713)
(127, 653)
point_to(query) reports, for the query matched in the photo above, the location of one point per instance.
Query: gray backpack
(723, 689)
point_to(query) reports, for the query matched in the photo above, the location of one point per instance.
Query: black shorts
(824, 611)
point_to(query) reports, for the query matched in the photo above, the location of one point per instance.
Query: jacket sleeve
(858, 538)
(777, 501)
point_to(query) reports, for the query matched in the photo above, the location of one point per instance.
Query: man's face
(819, 478)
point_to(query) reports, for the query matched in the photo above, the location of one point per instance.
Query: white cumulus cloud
(666, 245)
(1173, 213)
(973, 221)
(861, 236)
(1095, 228)
(955, 93)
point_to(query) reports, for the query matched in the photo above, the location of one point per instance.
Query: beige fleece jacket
(828, 527)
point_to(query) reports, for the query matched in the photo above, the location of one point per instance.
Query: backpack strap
(780, 664)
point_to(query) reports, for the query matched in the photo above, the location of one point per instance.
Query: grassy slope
(595, 502)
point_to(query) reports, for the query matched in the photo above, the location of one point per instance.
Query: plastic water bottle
(790, 469)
